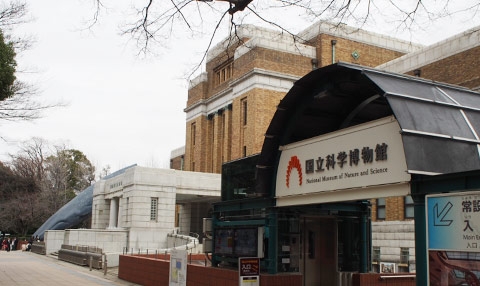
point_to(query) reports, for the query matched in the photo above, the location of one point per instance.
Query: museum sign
(367, 158)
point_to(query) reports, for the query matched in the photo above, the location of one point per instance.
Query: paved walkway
(26, 268)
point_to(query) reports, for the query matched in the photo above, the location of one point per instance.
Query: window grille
(154, 209)
(376, 254)
(223, 73)
(404, 255)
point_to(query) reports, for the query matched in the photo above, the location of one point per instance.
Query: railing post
(105, 266)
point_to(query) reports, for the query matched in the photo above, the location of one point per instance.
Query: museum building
(343, 135)
(228, 118)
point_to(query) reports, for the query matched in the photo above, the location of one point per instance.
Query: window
(223, 73)
(244, 151)
(404, 255)
(376, 254)
(381, 208)
(244, 111)
(409, 207)
(153, 209)
(193, 133)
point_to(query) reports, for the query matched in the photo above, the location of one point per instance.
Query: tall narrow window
(193, 133)
(153, 209)
(404, 255)
(244, 111)
(376, 254)
(381, 209)
(409, 207)
(244, 151)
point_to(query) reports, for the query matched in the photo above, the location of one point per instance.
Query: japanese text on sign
(342, 158)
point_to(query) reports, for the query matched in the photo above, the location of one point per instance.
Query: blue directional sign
(453, 221)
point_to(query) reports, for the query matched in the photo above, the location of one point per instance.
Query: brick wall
(262, 104)
(272, 60)
(149, 271)
(369, 55)
(176, 163)
(222, 138)
(460, 69)
(197, 93)
(197, 153)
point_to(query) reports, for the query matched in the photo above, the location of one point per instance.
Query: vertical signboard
(178, 268)
(453, 238)
(249, 271)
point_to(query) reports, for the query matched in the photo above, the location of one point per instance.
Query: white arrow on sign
(439, 218)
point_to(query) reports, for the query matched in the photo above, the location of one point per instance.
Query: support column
(113, 213)
(119, 212)
(364, 242)
(421, 253)
(271, 235)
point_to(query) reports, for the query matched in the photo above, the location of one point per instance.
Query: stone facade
(136, 211)
(143, 200)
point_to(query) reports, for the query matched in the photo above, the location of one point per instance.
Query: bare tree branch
(156, 21)
(12, 14)
(22, 105)
(204, 57)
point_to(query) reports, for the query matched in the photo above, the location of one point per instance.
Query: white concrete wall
(53, 240)
(110, 241)
(100, 209)
(185, 212)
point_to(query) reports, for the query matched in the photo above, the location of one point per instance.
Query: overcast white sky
(123, 109)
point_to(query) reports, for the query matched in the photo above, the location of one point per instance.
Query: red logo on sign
(294, 164)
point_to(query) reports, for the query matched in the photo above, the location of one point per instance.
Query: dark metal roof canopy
(440, 123)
